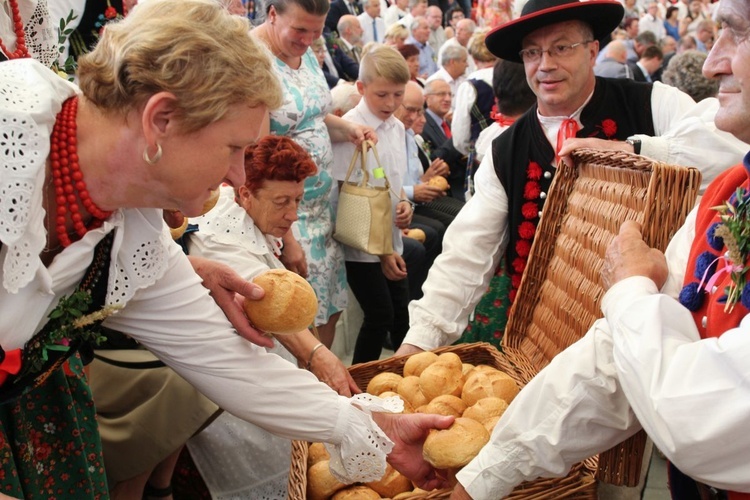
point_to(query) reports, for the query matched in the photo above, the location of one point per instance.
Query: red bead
(60, 220)
(76, 216)
(60, 200)
(71, 198)
(61, 210)
(68, 188)
(80, 186)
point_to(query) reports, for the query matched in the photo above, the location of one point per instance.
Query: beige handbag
(364, 219)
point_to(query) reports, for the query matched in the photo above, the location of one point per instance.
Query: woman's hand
(293, 257)
(404, 214)
(228, 290)
(408, 432)
(331, 371)
(342, 130)
(393, 266)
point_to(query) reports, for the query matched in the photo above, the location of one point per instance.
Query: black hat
(602, 15)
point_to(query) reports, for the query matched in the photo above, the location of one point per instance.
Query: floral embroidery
(608, 127)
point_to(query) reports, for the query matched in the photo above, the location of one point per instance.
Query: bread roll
(321, 484)
(416, 234)
(177, 232)
(447, 405)
(391, 484)
(486, 408)
(454, 447)
(441, 378)
(439, 182)
(484, 384)
(316, 452)
(416, 363)
(490, 423)
(451, 359)
(409, 389)
(289, 305)
(356, 493)
(385, 381)
(210, 202)
(467, 368)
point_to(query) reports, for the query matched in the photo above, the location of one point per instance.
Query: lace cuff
(360, 457)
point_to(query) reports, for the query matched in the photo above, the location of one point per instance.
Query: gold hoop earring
(156, 158)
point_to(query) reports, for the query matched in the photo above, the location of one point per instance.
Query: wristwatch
(636, 143)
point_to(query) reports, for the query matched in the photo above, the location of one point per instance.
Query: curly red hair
(276, 158)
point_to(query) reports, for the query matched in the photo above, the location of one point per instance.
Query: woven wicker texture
(560, 292)
(578, 484)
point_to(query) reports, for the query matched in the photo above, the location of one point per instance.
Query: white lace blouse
(165, 306)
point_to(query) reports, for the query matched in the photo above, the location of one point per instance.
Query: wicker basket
(561, 291)
(578, 484)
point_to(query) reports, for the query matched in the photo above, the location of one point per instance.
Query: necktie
(374, 30)
(446, 129)
(568, 128)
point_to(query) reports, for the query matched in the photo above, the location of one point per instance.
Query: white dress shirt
(463, 99)
(391, 149)
(392, 15)
(367, 28)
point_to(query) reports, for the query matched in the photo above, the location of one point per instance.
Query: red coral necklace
(21, 50)
(68, 178)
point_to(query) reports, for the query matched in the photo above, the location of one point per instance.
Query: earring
(156, 158)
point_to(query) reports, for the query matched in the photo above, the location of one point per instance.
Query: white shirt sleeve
(459, 277)
(686, 134)
(690, 394)
(461, 124)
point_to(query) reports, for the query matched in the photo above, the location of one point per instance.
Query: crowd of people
(155, 106)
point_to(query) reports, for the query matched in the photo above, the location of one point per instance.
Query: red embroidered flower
(519, 265)
(529, 210)
(526, 230)
(497, 334)
(523, 247)
(609, 127)
(497, 302)
(534, 172)
(110, 13)
(531, 190)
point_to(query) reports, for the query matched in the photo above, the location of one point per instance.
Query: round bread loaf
(454, 447)
(409, 389)
(356, 493)
(416, 363)
(441, 378)
(416, 234)
(289, 305)
(486, 408)
(447, 405)
(490, 423)
(439, 182)
(483, 384)
(316, 452)
(391, 484)
(451, 359)
(467, 368)
(321, 484)
(382, 382)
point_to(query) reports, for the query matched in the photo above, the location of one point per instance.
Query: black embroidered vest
(523, 157)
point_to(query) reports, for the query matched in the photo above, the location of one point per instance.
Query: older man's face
(372, 7)
(729, 61)
(561, 83)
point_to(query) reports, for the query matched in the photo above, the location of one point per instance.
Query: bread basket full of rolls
(473, 383)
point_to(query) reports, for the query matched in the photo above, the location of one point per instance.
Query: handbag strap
(361, 153)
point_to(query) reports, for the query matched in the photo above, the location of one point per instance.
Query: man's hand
(393, 266)
(424, 193)
(437, 167)
(408, 432)
(572, 144)
(228, 290)
(407, 349)
(293, 257)
(628, 255)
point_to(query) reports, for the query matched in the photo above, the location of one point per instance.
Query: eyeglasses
(412, 110)
(535, 54)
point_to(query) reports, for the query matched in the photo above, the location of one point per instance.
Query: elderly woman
(396, 35)
(685, 71)
(290, 29)
(410, 53)
(244, 231)
(169, 100)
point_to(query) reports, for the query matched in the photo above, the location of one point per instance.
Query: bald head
(412, 105)
(618, 51)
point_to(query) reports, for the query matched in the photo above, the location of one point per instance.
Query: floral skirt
(491, 314)
(49, 442)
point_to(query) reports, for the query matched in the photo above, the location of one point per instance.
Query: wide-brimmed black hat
(602, 15)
